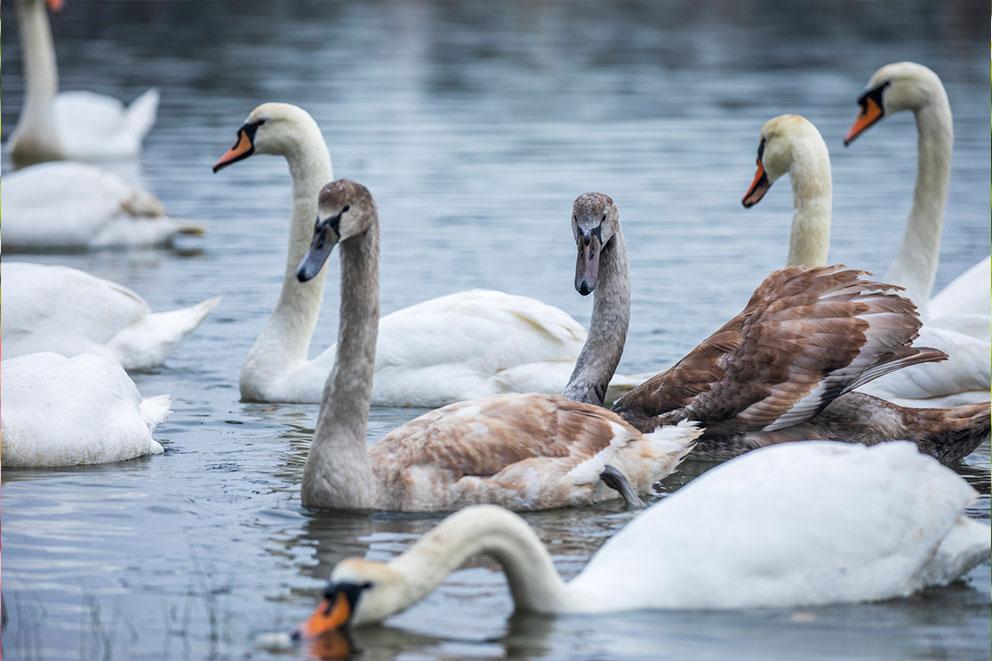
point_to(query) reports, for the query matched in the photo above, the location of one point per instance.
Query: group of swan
(793, 365)
(72, 205)
(749, 384)
(874, 523)
(958, 322)
(462, 346)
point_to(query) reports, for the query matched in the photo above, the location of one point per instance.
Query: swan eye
(604, 218)
(346, 207)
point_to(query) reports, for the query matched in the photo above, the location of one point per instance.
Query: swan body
(785, 369)
(963, 305)
(840, 523)
(461, 346)
(524, 451)
(68, 206)
(67, 311)
(60, 411)
(909, 86)
(790, 144)
(70, 125)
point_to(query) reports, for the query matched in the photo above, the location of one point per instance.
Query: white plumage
(67, 311)
(60, 411)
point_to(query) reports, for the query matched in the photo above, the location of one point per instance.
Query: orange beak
(868, 115)
(327, 617)
(241, 150)
(55, 5)
(757, 189)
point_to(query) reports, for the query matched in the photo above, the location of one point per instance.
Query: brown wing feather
(482, 437)
(805, 337)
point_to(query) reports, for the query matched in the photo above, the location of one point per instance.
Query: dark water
(475, 126)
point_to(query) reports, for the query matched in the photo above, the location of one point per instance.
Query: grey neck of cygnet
(915, 265)
(601, 353)
(338, 471)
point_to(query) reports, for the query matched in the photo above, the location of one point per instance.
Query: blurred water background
(475, 125)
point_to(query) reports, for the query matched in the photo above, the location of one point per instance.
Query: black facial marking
(875, 94)
(761, 151)
(351, 591)
(249, 130)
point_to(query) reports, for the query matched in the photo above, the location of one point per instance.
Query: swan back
(60, 411)
(794, 524)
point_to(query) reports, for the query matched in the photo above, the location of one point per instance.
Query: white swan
(910, 86)
(839, 523)
(67, 206)
(466, 345)
(69, 125)
(60, 411)
(525, 451)
(70, 312)
(790, 144)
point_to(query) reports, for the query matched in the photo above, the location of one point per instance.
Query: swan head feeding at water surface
(345, 209)
(893, 88)
(271, 128)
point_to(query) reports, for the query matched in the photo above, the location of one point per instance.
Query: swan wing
(60, 411)
(967, 294)
(63, 310)
(795, 524)
(523, 451)
(963, 378)
(95, 125)
(805, 337)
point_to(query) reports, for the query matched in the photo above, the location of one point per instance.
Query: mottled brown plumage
(805, 339)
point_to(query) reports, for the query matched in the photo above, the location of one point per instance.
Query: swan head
(595, 219)
(359, 592)
(894, 87)
(345, 209)
(271, 128)
(783, 142)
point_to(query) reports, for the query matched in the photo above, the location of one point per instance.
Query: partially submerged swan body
(461, 346)
(60, 411)
(69, 125)
(840, 523)
(523, 451)
(909, 86)
(70, 312)
(790, 144)
(68, 207)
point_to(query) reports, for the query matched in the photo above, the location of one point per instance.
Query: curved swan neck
(533, 580)
(285, 341)
(601, 353)
(812, 200)
(338, 471)
(915, 265)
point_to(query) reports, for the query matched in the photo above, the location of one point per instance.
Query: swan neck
(338, 471)
(285, 341)
(812, 201)
(533, 580)
(40, 68)
(915, 265)
(603, 348)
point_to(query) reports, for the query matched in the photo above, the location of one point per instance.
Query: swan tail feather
(141, 113)
(146, 343)
(155, 409)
